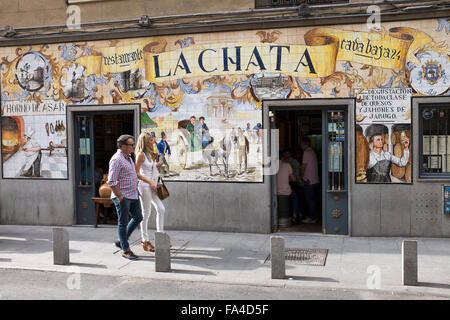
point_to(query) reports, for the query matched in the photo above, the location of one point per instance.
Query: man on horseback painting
(206, 137)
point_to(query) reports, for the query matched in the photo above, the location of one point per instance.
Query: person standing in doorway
(123, 180)
(295, 186)
(310, 177)
(147, 172)
(284, 174)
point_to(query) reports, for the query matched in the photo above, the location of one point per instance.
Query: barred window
(259, 4)
(434, 136)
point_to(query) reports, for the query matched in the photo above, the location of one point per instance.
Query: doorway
(321, 133)
(95, 136)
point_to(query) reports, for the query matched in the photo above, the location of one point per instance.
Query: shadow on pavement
(205, 273)
(319, 279)
(88, 265)
(434, 285)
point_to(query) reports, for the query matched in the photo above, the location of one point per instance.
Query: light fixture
(9, 32)
(144, 21)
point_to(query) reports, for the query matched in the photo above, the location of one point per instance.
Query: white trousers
(149, 198)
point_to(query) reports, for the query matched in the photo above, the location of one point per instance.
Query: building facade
(374, 99)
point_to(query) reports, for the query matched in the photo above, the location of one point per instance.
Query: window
(434, 136)
(260, 4)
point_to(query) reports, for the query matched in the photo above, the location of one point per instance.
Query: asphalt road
(42, 285)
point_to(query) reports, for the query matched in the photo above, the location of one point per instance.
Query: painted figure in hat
(244, 149)
(33, 154)
(155, 145)
(380, 161)
(206, 137)
(163, 149)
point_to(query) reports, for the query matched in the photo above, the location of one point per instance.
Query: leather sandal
(147, 246)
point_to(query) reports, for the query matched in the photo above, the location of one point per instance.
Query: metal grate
(313, 257)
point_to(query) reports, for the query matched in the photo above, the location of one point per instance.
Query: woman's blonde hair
(142, 146)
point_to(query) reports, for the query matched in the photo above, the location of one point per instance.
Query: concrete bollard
(409, 263)
(60, 246)
(162, 252)
(277, 258)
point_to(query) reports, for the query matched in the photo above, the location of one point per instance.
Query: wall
(337, 73)
(25, 13)
(218, 207)
(402, 210)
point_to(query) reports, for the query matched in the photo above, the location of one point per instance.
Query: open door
(84, 168)
(96, 133)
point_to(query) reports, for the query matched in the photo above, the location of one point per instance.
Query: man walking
(123, 180)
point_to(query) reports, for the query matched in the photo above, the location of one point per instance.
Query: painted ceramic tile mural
(221, 77)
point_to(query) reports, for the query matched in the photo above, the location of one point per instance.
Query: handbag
(161, 189)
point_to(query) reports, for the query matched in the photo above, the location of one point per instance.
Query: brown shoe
(147, 246)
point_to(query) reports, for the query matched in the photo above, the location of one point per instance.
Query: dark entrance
(326, 129)
(95, 143)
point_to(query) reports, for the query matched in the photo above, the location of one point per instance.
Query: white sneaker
(308, 220)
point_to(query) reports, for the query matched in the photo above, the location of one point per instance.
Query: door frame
(98, 108)
(316, 104)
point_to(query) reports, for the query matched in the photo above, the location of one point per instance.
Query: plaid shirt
(122, 172)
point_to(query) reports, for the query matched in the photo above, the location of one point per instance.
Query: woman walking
(147, 172)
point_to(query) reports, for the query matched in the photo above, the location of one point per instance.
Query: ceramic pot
(104, 190)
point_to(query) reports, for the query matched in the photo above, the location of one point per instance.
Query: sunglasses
(128, 144)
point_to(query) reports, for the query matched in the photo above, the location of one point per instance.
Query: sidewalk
(234, 258)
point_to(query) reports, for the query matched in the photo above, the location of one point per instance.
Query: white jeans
(149, 198)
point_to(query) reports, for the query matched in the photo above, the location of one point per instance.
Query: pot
(104, 190)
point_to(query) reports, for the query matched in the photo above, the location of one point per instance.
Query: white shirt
(375, 157)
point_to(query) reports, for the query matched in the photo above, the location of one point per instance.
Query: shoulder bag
(161, 189)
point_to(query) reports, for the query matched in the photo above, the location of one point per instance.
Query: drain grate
(313, 257)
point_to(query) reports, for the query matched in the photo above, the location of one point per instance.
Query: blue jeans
(124, 209)
(294, 201)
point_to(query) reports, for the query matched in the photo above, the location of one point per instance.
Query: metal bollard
(409, 263)
(277, 258)
(162, 252)
(60, 246)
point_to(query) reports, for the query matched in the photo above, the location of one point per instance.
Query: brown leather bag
(161, 189)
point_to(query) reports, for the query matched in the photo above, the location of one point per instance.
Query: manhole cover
(313, 257)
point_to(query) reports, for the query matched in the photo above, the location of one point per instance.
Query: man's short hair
(123, 140)
(192, 117)
(201, 118)
(306, 141)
